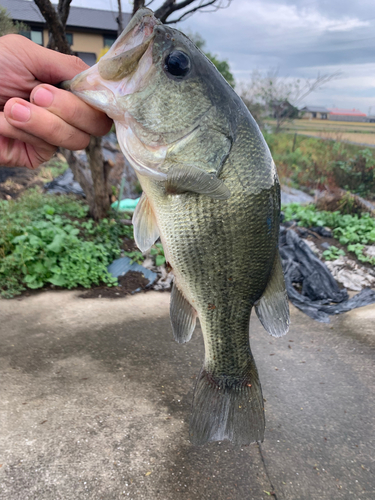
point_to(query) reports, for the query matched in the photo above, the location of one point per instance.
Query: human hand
(30, 132)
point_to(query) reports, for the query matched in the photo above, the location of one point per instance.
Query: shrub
(316, 163)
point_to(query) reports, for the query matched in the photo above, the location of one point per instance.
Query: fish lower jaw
(137, 154)
(143, 170)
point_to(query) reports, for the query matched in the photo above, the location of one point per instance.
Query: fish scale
(210, 190)
(235, 256)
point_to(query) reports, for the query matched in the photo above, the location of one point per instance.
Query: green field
(352, 132)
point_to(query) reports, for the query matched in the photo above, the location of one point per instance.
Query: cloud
(282, 17)
(299, 37)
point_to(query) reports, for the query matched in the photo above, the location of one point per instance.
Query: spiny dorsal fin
(182, 178)
(183, 316)
(273, 307)
(146, 231)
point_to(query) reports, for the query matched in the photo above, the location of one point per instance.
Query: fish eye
(177, 63)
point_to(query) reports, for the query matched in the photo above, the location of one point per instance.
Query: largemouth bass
(211, 192)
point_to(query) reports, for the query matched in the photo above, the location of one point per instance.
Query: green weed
(332, 253)
(351, 230)
(135, 256)
(49, 240)
(158, 251)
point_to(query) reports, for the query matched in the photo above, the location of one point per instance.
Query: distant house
(87, 30)
(310, 112)
(347, 115)
(335, 114)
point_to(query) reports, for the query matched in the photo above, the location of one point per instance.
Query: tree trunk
(55, 25)
(165, 10)
(94, 182)
(92, 175)
(100, 172)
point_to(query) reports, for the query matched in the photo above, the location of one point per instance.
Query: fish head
(125, 69)
(155, 84)
(149, 62)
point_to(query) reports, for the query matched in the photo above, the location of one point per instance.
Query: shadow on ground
(96, 402)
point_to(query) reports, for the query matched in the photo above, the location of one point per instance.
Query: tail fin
(227, 408)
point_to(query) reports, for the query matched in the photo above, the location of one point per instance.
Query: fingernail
(20, 113)
(43, 97)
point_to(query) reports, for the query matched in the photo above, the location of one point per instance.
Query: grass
(357, 137)
(326, 126)
(339, 131)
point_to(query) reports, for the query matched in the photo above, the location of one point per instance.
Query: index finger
(71, 109)
(44, 64)
(53, 67)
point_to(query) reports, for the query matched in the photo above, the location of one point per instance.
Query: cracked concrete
(95, 404)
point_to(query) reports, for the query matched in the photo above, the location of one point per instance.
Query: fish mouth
(123, 58)
(123, 69)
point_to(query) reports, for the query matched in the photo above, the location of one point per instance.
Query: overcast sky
(299, 37)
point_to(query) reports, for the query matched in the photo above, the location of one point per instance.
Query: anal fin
(182, 178)
(273, 308)
(183, 316)
(146, 231)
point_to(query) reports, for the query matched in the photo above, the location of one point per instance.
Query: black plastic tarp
(64, 183)
(319, 295)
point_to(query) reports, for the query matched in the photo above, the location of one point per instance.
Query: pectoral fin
(273, 308)
(183, 316)
(182, 178)
(146, 231)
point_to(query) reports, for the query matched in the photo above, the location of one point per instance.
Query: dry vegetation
(355, 132)
(362, 139)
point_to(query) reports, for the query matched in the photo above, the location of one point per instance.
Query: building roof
(79, 17)
(346, 112)
(315, 109)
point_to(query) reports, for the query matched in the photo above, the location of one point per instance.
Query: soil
(14, 181)
(130, 283)
(129, 245)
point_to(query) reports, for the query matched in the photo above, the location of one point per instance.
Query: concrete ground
(95, 404)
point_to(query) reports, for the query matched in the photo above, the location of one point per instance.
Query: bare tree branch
(272, 95)
(166, 10)
(190, 12)
(55, 25)
(170, 6)
(317, 83)
(63, 9)
(138, 4)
